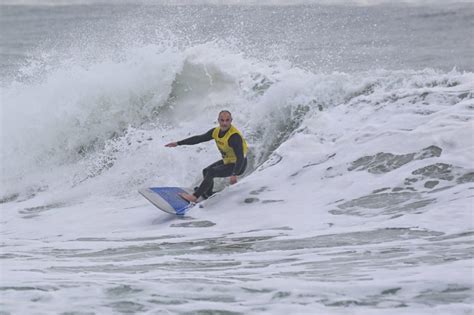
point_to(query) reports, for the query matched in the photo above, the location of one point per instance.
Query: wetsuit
(219, 168)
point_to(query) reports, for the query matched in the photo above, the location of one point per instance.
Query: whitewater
(358, 194)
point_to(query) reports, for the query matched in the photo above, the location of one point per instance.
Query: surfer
(233, 148)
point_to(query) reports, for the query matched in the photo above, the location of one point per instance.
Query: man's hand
(172, 144)
(233, 179)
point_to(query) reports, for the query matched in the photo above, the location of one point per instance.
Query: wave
(107, 121)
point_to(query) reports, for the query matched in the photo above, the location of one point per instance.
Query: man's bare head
(225, 120)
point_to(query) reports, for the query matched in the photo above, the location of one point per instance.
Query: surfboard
(167, 199)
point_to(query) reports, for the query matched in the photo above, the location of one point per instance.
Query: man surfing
(233, 148)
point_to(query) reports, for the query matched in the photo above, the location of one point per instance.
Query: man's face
(225, 119)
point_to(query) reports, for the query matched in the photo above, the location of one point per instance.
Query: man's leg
(207, 193)
(205, 186)
(218, 169)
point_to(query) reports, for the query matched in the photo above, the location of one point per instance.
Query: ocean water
(358, 194)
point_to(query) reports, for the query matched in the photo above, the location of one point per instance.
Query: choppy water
(358, 196)
(317, 37)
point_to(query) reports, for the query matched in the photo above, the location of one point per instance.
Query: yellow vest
(228, 154)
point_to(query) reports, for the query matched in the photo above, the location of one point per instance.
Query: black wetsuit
(218, 169)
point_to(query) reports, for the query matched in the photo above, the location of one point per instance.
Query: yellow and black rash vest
(228, 154)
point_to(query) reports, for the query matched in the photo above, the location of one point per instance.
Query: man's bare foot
(188, 197)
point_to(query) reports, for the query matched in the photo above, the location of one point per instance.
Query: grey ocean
(320, 38)
(358, 194)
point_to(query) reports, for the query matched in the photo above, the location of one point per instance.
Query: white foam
(86, 231)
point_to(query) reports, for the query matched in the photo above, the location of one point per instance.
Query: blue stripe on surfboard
(170, 195)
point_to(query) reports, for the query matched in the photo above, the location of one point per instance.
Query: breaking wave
(76, 123)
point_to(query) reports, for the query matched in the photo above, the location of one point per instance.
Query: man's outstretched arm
(192, 140)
